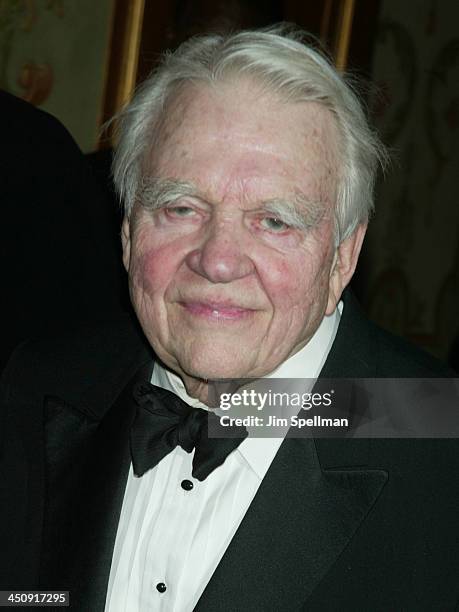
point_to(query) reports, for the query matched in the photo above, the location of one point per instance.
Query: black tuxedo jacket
(336, 524)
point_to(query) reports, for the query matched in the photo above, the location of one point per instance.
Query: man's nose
(222, 256)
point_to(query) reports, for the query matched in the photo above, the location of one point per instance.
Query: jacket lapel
(84, 499)
(299, 522)
(311, 502)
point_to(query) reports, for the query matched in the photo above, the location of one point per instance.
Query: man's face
(222, 285)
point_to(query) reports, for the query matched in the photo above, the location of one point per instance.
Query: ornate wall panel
(412, 249)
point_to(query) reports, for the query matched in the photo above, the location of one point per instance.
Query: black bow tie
(164, 421)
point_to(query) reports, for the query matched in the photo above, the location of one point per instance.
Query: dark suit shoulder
(84, 365)
(21, 120)
(362, 349)
(401, 359)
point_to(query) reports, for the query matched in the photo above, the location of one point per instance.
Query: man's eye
(180, 211)
(274, 224)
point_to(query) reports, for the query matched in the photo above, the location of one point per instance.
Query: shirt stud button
(187, 485)
(161, 587)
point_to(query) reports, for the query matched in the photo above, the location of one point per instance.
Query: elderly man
(246, 168)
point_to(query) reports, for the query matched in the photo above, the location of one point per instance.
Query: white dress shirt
(170, 539)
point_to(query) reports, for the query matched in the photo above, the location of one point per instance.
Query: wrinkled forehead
(243, 100)
(260, 130)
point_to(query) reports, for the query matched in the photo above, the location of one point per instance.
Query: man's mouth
(217, 311)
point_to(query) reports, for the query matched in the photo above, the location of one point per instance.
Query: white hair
(277, 59)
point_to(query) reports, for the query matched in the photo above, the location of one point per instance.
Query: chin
(215, 368)
(215, 372)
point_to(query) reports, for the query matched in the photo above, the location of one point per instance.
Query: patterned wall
(54, 54)
(412, 248)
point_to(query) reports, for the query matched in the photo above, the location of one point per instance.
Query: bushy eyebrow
(298, 212)
(155, 193)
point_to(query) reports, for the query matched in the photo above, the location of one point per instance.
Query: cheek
(283, 283)
(297, 287)
(152, 270)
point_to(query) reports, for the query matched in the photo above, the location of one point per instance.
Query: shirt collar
(306, 363)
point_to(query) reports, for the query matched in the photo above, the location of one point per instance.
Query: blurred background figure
(59, 247)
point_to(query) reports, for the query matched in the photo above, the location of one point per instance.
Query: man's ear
(346, 257)
(126, 242)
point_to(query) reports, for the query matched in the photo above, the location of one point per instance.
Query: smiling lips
(217, 311)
